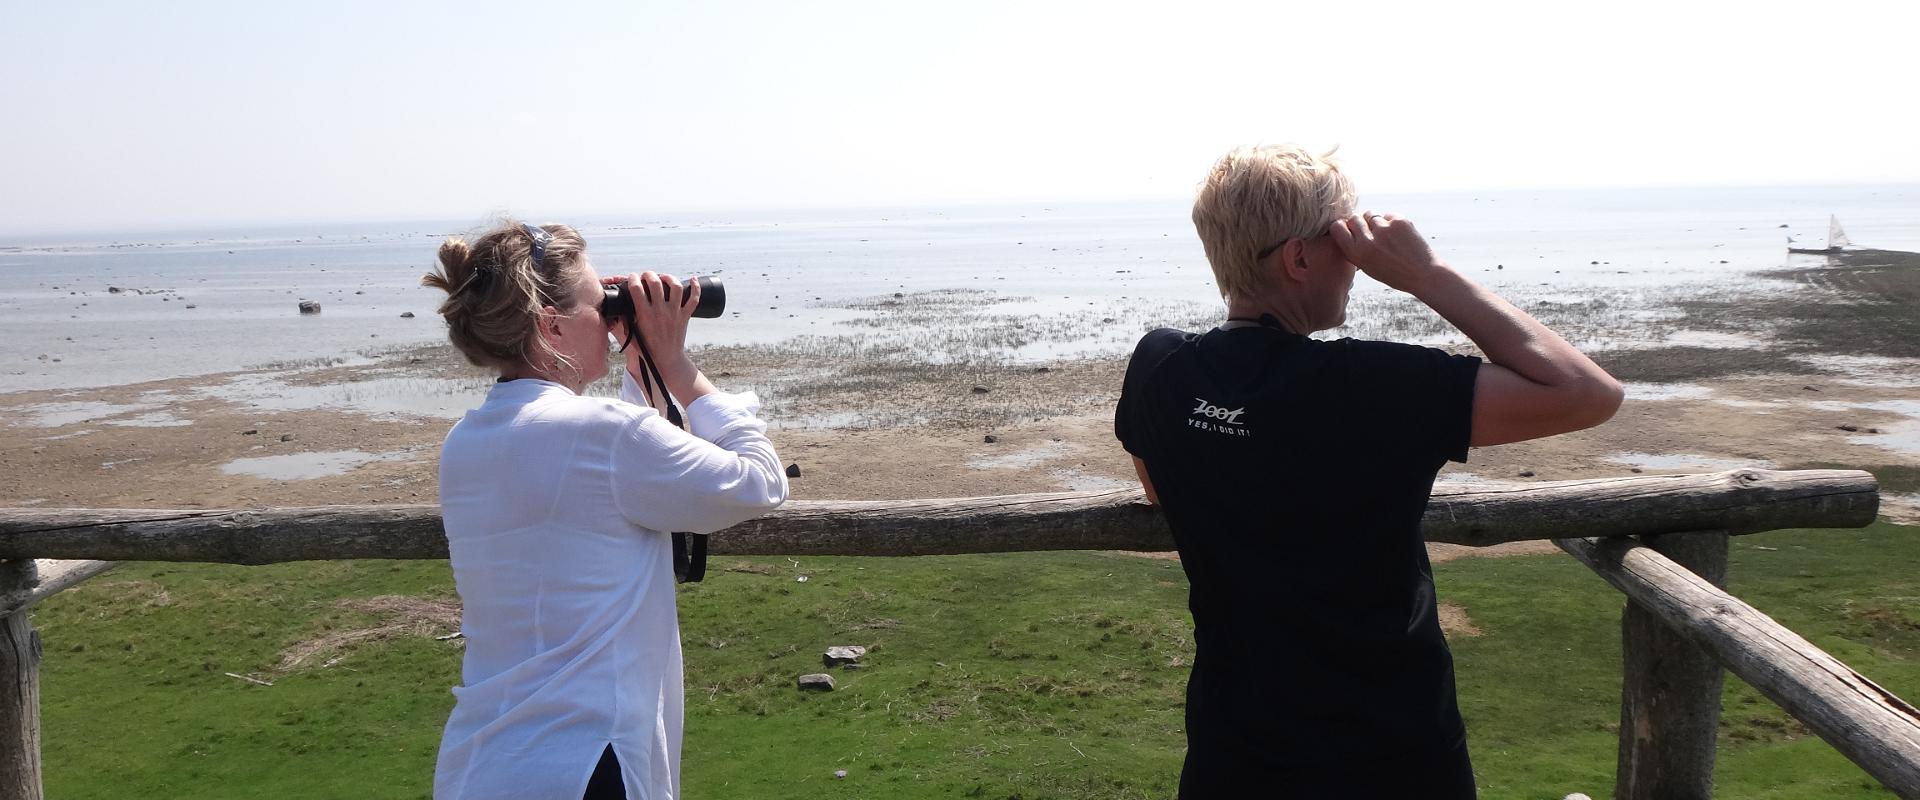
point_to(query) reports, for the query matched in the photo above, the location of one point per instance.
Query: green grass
(1022, 675)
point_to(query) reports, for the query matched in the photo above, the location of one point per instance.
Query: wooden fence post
(1669, 688)
(19, 690)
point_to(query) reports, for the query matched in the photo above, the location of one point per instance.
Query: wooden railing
(1662, 540)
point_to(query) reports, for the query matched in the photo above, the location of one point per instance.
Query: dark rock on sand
(309, 306)
(793, 470)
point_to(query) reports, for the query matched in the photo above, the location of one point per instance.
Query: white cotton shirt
(557, 508)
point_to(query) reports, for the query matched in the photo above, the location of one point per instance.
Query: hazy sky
(138, 114)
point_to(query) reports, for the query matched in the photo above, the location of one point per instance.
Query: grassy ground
(1029, 675)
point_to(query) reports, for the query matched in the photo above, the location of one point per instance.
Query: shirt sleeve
(722, 473)
(1134, 432)
(1418, 398)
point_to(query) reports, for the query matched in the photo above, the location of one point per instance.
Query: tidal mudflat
(970, 391)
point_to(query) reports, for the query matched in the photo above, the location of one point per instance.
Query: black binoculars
(618, 303)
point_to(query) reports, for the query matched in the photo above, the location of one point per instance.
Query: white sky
(141, 114)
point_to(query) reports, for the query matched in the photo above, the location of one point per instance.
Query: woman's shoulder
(589, 410)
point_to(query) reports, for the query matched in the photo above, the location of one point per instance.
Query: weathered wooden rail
(1679, 627)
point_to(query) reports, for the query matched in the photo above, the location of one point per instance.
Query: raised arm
(722, 473)
(1536, 385)
(722, 469)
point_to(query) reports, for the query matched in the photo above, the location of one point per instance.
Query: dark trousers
(606, 783)
(1208, 775)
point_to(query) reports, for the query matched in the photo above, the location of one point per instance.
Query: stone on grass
(816, 682)
(843, 654)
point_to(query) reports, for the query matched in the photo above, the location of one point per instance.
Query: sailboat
(1836, 240)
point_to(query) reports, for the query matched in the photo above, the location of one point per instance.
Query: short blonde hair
(1257, 197)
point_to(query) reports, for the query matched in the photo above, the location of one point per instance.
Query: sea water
(200, 302)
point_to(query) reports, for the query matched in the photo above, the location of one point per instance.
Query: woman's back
(557, 509)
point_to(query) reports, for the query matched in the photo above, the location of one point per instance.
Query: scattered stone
(114, 290)
(1526, 473)
(1636, 470)
(309, 306)
(1849, 428)
(1810, 388)
(406, 315)
(190, 305)
(843, 654)
(816, 682)
(286, 437)
(989, 438)
(1582, 795)
(250, 432)
(1042, 369)
(793, 470)
(840, 773)
(978, 389)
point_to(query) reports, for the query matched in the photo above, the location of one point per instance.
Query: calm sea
(198, 302)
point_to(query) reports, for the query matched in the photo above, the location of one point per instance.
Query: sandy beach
(1834, 381)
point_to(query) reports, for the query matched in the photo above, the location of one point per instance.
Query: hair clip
(540, 240)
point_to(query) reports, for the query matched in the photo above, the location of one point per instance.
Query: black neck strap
(689, 549)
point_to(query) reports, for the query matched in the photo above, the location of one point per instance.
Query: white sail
(1836, 237)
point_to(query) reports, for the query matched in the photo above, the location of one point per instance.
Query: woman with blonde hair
(558, 508)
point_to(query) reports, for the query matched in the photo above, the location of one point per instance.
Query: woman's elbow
(1600, 399)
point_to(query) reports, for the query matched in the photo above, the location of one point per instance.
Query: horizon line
(258, 223)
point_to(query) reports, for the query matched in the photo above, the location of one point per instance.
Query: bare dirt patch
(400, 617)
(1454, 621)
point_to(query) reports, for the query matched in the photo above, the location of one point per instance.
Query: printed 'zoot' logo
(1206, 409)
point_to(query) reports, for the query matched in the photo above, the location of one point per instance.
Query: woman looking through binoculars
(558, 508)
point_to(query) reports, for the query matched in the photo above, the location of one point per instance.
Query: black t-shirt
(1294, 473)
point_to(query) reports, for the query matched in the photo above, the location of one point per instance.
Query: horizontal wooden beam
(1740, 501)
(1866, 723)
